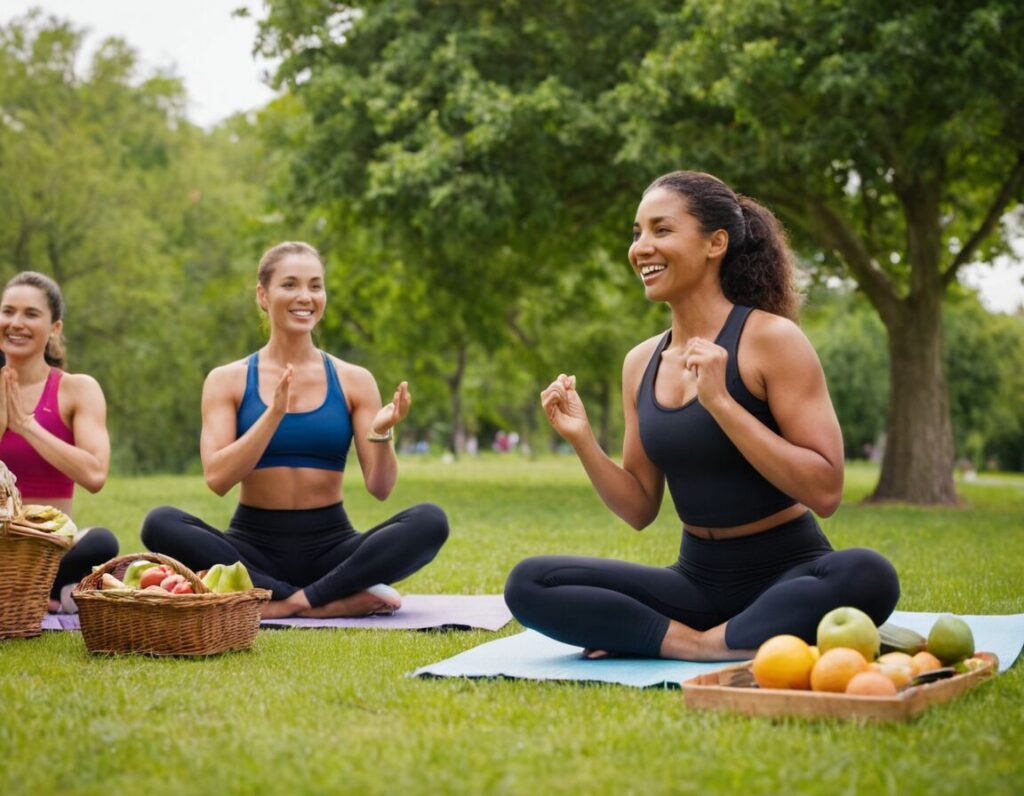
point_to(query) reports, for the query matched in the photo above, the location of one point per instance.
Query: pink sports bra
(36, 476)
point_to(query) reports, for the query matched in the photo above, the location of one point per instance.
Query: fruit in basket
(871, 684)
(108, 582)
(848, 627)
(182, 588)
(835, 668)
(153, 576)
(783, 662)
(168, 583)
(133, 575)
(47, 518)
(222, 578)
(951, 639)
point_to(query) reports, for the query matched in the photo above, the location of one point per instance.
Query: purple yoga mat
(418, 612)
(423, 612)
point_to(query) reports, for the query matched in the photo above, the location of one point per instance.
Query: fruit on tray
(783, 662)
(901, 639)
(871, 684)
(836, 669)
(848, 627)
(951, 640)
(223, 578)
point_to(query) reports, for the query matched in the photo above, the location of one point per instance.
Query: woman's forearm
(232, 463)
(621, 491)
(78, 464)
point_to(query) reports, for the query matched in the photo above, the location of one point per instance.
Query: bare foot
(53, 606)
(363, 603)
(686, 644)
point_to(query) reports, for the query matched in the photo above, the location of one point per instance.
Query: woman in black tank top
(730, 408)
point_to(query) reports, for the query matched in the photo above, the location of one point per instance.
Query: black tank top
(711, 484)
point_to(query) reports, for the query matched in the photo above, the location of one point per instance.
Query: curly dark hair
(758, 268)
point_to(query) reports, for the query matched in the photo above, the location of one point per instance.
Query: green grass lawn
(333, 711)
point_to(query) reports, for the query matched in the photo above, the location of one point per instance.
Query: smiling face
(26, 322)
(294, 297)
(670, 253)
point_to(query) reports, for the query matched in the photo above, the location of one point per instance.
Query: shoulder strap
(647, 382)
(730, 338)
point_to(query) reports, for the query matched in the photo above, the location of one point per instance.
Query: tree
(887, 136)
(468, 135)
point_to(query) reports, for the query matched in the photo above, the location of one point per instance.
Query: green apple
(951, 639)
(848, 627)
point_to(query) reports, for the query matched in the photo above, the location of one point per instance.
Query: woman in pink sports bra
(53, 425)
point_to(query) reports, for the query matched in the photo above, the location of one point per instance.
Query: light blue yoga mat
(532, 656)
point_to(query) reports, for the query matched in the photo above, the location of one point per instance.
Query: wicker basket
(154, 623)
(28, 565)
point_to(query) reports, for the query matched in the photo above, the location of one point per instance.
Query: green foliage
(146, 222)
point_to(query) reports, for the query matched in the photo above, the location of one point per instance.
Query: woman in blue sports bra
(281, 423)
(730, 409)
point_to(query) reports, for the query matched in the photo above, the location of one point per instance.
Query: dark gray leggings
(316, 550)
(779, 581)
(96, 546)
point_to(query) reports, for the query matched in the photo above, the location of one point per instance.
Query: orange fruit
(783, 662)
(815, 653)
(900, 659)
(900, 674)
(926, 662)
(871, 684)
(836, 668)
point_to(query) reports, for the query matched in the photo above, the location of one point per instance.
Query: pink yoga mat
(418, 612)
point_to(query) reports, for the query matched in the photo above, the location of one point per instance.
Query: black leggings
(96, 546)
(316, 550)
(779, 581)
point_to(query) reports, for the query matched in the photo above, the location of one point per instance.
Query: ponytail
(757, 270)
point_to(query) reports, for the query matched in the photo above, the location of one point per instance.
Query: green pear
(235, 578)
(133, 574)
(213, 577)
(951, 640)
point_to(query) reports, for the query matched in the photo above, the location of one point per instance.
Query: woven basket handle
(13, 530)
(120, 564)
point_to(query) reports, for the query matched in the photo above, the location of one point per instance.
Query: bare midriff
(750, 528)
(291, 488)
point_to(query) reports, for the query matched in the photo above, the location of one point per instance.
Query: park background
(470, 171)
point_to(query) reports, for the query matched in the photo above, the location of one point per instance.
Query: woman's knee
(102, 543)
(158, 525)
(875, 581)
(432, 524)
(524, 583)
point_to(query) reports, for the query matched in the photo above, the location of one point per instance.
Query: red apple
(168, 583)
(153, 576)
(182, 588)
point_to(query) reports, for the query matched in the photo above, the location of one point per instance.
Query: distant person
(53, 423)
(730, 407)
(280, 422)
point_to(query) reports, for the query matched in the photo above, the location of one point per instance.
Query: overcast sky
(212, 52)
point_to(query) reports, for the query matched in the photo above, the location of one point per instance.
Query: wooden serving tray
(732, 689)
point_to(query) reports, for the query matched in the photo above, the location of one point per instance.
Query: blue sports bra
(319, 439)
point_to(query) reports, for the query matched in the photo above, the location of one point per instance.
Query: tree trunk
(458, 441)
(919, 452)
